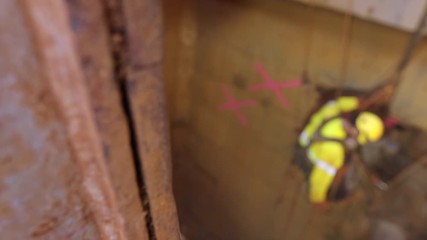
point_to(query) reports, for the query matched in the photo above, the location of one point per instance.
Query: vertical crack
(118, 43)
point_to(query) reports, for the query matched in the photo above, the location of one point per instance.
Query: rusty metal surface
(88, 22)
(49, 23)
(40, 187)
(144, 27)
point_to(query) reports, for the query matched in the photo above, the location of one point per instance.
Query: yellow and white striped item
(327, 156)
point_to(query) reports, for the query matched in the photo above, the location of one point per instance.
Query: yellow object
(327, 157)
(347, 103)
(319, 182)
(329, 110)
(333, 129)
(370, 127)
(331, 152)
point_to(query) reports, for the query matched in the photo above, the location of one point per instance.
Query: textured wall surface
(34, 143)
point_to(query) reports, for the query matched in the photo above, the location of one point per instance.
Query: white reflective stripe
(303, 138)
(330, 102)
(326, 167)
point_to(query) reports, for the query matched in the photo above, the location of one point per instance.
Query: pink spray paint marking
(236, 105)
(274, 86)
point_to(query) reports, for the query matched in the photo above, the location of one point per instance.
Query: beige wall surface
(401, 14)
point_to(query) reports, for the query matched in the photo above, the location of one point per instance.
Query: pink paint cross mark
(236, 105)
(274, 86)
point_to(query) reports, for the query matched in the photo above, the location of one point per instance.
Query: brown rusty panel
(40, 184)
(49, 22)
(149, 113)
(144, 26)
(89, 26)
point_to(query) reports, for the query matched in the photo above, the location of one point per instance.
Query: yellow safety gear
(370, 127)
(329, 110)
(327, 157)
(333, 129)
(319, 181)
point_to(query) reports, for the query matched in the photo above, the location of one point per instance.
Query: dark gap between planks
(118, 43)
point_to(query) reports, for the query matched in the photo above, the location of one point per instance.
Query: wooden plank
(50, 23)
(93, 45)
(144, 26)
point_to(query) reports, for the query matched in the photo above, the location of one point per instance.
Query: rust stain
(49, 20)
(37, 177)
(96, 38)
(46, 226)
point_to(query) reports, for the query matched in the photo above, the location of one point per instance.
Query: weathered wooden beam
(145, 86)
(91, 27)
(50, 25)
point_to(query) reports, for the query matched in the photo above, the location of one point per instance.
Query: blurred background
(237, 181)
(147, 119)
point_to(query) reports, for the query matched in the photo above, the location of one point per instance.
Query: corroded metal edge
(48, 20)
(145, 86)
